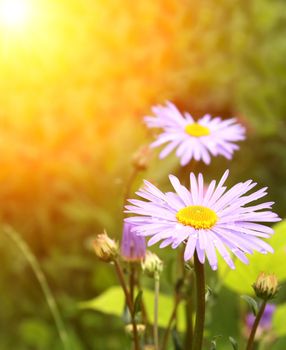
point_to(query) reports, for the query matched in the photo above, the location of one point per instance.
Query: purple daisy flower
(215, 219)
(133, 247)
(194, 139)
(266, 320)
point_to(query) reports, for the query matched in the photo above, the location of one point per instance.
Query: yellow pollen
(197, 216)
(197, 130)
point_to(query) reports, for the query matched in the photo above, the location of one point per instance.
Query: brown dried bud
(142, 157)
(266, 286)
(105, 248)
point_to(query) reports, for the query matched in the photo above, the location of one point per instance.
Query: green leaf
(252, 303)
(233, 343)
(213, 342)
(176, 340)
(241, 279)
(109, 302)
(138, 302)
(279, 320)
(112, 302)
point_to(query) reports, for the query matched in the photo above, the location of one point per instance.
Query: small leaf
(176, 340)
(138, 302)
(213, 345)
(213, 342)
(233, 343)
(252, 303)
(208, 293)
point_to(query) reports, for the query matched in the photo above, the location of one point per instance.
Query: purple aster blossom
(206, 221)
(133, 247)
(194, 139)
(266, 320)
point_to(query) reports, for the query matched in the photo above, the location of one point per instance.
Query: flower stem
(129, 303)
(189, 321)
(156, 302)
(129, 184)
(250, 342)
(131, 280)
(171, 320)
(200, 307)
(24, 248)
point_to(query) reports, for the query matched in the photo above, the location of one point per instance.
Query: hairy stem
(24, 248)
(200, 307)
(129, 303)
(129, 184)
(171, 320)
(132, 280)
(250, 342)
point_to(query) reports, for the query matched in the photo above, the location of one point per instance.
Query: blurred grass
(72, 96)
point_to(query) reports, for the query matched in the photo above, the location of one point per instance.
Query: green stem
(156, 302)
(131, 280)
(171, 320)
(200, 307)
(129, 184)
(250, 342)
(24, 248)
(129, 303)
(189, 321)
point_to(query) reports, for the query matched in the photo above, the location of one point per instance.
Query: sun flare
(14, 13)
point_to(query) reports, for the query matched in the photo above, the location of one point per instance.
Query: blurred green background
(76, 79)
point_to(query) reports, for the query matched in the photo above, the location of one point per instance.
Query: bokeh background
(77, 76)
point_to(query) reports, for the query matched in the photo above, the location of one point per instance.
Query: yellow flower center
(197, 216)
(197, 130)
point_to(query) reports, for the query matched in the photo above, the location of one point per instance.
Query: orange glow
(14, 13)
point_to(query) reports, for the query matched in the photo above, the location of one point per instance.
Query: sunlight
(14, 13)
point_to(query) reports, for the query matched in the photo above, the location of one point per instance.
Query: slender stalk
(189, 321)
(131, 280)
(200, 307)
(24, 248)
(156, 304)
(171, 320)
(129, 303)
(188, 276)
(129, 184)
(250, 342)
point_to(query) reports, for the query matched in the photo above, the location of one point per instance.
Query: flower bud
(140, 329)
(133, 247)
(141, 158)
(152, 264)
(105, 248)
(266, 286)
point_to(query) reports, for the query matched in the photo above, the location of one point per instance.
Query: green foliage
(252, 303)
(71, 118)
(112, 302)
(279, 320)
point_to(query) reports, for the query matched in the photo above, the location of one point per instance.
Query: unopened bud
(141, 158)
(106, 249)
(152, 264)
(140, 329)
(266, 286)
